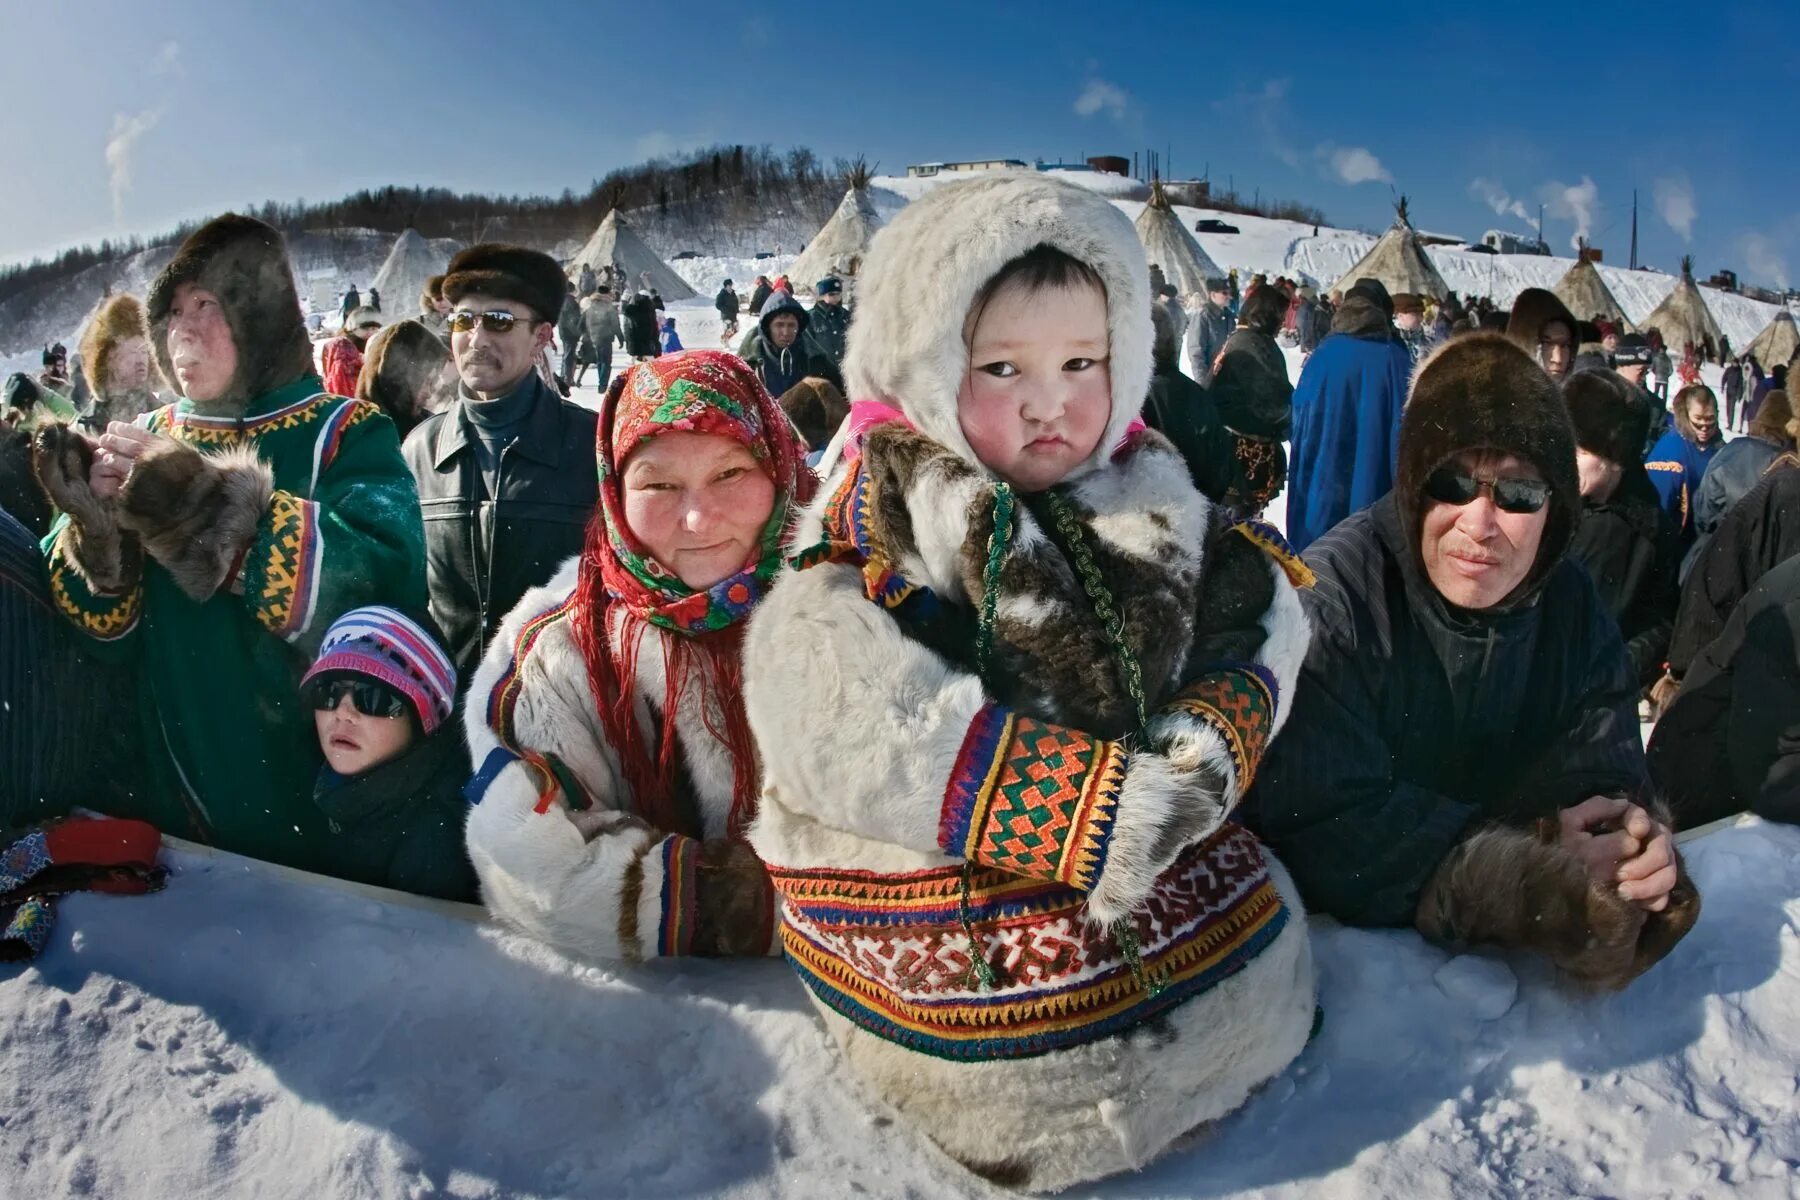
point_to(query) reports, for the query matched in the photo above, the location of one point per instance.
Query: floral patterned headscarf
(624, 588)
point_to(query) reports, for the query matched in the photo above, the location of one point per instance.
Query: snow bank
(250, 1032)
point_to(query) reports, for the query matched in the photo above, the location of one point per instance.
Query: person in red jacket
(342, 359)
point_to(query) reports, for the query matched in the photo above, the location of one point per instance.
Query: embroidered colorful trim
(846, 539)
(504, 695)
(681, 866)
(197, 430)
(1270, 541)
(103, 618)
(282, 571)
(331, 438)
(1032, 799)
(1239, 702)
(887, 951)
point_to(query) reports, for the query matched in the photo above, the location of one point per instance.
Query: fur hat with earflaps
(118, 319)
(508, 273)
(1482, 392)
(1608, 415)
(245, 264)
(947, 245)
(1535, 308)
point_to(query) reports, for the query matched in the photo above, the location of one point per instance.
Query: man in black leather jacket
(505, 475)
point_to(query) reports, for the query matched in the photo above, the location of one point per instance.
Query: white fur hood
(925, 268)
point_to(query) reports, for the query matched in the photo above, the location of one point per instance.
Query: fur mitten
(734, 901)
(1510, 888)
(196, 513)
(106, 557)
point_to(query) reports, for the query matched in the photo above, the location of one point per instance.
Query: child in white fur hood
(1050, 667)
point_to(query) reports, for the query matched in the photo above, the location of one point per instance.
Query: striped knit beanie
(387, 645)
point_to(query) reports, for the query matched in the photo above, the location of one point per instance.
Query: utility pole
(1542, 244)
(1634, 229)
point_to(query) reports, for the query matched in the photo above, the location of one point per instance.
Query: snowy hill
(253, 1032)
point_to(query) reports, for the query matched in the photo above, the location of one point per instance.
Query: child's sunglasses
(497, 321)
(1447, 485)
(370, 698)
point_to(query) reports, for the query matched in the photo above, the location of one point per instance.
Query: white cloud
(1577, 202)
(1265, 111)
(167, 60)
(1675, 204)
(1764, 257)
(1497, 198)
(1353, 164)
(1101, 96)
(119, 150)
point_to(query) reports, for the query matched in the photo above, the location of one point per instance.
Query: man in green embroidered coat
(216, 539)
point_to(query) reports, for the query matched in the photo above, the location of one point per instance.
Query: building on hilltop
(927, 170)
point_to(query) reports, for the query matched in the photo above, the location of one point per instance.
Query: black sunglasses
(1448, 485)
(496, 321)
(370, 698)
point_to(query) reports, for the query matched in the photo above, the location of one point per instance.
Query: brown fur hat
(816, 408)
(1774, 418)
(1535, 308)
(245, 264)
(1483, 392)
(432, 293)
(508, 273)
(117, 319)
(1609, 416)
(397, 362)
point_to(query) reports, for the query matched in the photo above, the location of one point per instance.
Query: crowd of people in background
(393, 606)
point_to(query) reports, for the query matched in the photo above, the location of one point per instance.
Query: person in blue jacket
(1346, 416)
(1678, 461)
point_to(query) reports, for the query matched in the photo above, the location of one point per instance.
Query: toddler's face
(354, 741)
(1038, 393)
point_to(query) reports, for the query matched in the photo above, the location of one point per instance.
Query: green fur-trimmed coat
(233, 751)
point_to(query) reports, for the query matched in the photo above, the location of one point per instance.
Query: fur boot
(1510, 888)
(196, 513)
(107, 557)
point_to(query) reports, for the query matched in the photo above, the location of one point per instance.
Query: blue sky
(126, 118)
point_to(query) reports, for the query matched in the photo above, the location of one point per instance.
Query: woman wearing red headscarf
(615, 772)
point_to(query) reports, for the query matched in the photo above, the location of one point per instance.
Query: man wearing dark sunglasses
(506, 478)
(1464, 753)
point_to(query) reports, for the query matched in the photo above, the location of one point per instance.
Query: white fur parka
(862, 727)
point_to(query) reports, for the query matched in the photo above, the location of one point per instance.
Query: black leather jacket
(482, 554)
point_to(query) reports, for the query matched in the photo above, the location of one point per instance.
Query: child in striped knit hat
(381, 691)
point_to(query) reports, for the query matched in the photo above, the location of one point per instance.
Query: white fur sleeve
(866, 731)
(594, 881)
(1225, 718)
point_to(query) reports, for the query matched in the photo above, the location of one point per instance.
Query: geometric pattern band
(1238, 702)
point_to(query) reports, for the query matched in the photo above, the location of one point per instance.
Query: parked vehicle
(1213, 225)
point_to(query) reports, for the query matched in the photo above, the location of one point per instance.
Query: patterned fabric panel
(281, 572)
(1239, 703)
(103, 618)
(197, 430)
(681, 867)
(1032, 798)
(890, 954)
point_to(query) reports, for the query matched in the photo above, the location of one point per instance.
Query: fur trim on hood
(245, 264)
(1481, 391)
(117, 319)
(1535, 308)
(945, 246)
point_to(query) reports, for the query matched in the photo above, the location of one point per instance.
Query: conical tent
(616, 244)
(1584, 291)
(838, 248)
(1683, 319)
(1399, 261)
(1778, 343)
(1170, 245)
(409, 264)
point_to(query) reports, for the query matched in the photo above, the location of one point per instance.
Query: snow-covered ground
(252, 1033)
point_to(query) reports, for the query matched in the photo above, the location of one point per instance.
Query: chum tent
(1399, 261)
(1583, 290)
(410, 262)
(838, 248)
(615, 243)
(1172, 246)
(1778, 343)
(1683, 318)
